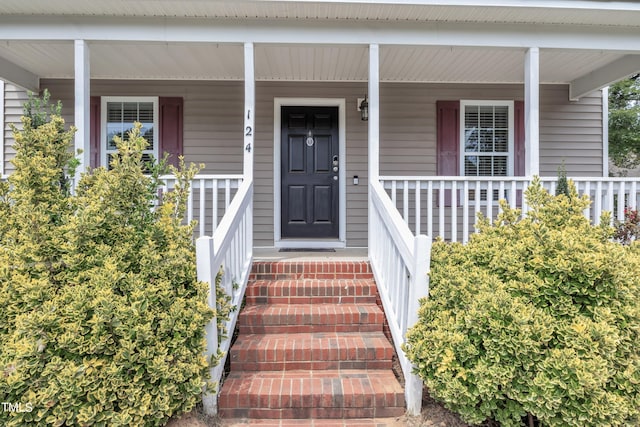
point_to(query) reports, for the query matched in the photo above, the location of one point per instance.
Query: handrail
(400, 264)
(230, 249)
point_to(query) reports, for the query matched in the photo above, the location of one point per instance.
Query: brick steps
(311, 349)
(312, 394)
(306, 291)
(292, 318)
(331, 350)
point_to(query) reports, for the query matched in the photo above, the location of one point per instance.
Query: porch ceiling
(208, 61)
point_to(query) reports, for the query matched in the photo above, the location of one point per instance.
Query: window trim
(104, 152)
(511, 143)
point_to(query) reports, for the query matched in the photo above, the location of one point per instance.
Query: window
(486, 130)
(118, 116)
(487, 141)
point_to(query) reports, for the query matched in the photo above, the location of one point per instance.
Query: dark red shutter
(518, 138)
(448, 141)
(94, 131)
(170, 123)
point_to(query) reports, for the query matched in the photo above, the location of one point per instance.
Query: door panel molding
(279, 242)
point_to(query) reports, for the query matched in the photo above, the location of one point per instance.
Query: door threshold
(309, 244)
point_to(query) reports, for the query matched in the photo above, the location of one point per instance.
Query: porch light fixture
(364, 109)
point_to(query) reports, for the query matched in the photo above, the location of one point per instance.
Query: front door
(309, 174)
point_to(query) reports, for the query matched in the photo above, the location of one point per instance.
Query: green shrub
(536, 315)
(101, 315)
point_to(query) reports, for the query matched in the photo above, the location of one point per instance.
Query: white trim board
(278, 242)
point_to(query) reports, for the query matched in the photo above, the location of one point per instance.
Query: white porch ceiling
(207, 61)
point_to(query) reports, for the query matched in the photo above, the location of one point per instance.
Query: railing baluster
(202, 207)
(441, 211)
(465, 212)
(454, 211)
(227, 194)
(393, 192)
(633, 196)
(514, 193)
(214, 206)
(430, 208)
(476, 208)
(418, 208)
(621, 201)
(587, 191)
(610, 206)
(501, 195)
(405, 201)
(598, 203)
(490, 201)
(190, 205)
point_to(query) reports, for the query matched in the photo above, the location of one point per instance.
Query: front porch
(213, 84)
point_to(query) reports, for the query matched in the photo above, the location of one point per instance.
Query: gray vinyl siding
(213, 122)
(14, 98)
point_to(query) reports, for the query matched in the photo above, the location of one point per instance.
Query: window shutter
(170, 123)
(448, 142)
(94, 131)
(518, 138)
(448, 138)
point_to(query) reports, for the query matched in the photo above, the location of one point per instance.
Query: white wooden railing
(209, 198)
(448, 206)
(229, 250)
(400, 263)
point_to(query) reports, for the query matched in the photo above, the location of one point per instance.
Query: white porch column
(249, 110)
(605, 131)
(374, 112)
(81, 107)
(374, 125)
(532, 111)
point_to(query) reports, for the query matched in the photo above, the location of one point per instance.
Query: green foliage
(101, 315)
(537, 315)
(562, 186)
(624, 122)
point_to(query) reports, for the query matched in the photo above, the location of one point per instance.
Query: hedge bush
(536, 317)
(101, 315)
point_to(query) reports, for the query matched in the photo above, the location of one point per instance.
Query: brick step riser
(294, 329)
(312, 413)
(310, 365)
(312, 292)
(262, 300)
(286, 270)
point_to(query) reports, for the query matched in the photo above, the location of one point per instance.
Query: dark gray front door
(309, 172)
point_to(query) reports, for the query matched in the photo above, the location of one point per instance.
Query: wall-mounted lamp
(363, 107)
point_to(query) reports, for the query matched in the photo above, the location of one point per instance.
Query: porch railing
(400, 263)
(209, 199)
(448, 206)
(229, 251)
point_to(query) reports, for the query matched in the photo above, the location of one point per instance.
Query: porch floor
(346, 254)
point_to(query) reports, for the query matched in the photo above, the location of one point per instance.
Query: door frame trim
(278, 241)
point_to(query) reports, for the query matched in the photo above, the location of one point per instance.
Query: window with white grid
(118, 117)
(487, 139)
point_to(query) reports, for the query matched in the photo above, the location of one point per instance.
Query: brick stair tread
(371, 422)
(288, 318)
(319, 350)
(304, 291)
(312, 394)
